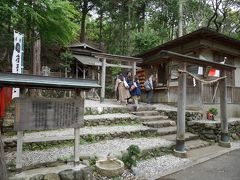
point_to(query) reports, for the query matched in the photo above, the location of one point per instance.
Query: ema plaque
(43, 114)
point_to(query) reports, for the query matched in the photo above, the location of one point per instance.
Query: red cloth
(5, 100)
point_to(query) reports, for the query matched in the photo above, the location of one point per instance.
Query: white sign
(17, 58)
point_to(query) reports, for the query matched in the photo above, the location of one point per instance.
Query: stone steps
(152, 118)
(89, 134)
(188, 137)
(116, 148)
(146, 113)
(159, 124)
(166, 131)
(196, 144)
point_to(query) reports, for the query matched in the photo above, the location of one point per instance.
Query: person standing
(135, 90)
(123, 92)
(149, 89)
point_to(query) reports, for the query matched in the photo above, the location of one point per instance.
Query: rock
(51, 176)
(78, 175)
(210, 136)
(85, 162)
(66, 174)
(37, 177)
(173, 123)
(87, 173)
(235, 136)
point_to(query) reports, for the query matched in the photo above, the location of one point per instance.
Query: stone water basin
(110, 167)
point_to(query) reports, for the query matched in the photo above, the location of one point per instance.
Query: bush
(133, 154)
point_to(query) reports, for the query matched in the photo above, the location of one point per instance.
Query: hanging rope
(201, 80)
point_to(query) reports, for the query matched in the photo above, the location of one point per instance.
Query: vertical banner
(17, 58)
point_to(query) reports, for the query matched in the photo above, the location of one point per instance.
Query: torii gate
(184, 60)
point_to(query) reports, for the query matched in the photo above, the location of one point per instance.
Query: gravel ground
(149, 168)
(100, 149)
(83, 131)
(109, 116)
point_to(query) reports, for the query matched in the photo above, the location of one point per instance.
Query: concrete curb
(195, 162)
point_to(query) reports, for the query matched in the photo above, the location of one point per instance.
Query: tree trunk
(83, 21)
(180, 21)
(100, 29)
(37, 57)
(3, 168)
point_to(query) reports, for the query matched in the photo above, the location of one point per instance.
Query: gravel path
(95, 130)
(100, 149)
(149, 168)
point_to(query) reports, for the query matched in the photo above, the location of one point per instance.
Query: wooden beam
(118, 65)
(180, 139)
(224, 141)
(103, 78)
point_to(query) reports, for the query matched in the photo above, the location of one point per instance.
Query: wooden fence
(195, 97)
(233, 94)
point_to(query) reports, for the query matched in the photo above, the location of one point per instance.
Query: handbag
(125, 83)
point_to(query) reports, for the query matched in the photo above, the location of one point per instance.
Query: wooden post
(76, 69)
(103, 78)
(180, 139)
(134, 67)
(19, 150)
(77, 135)
(224, 141)
(76, 145)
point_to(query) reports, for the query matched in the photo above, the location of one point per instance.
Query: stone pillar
(224, 141)
(103, 78)
(180, 139)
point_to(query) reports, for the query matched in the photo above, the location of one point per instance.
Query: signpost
(45, 114)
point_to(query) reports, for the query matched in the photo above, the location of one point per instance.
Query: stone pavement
(225, 167)
(201, 156)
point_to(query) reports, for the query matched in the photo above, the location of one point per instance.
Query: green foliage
(133, 154)
(213, 111)
(66, 58)
(145, 40)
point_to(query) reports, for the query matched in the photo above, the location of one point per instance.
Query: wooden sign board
(44, 114)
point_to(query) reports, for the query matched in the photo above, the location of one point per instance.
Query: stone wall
(190, 115)
(211, 130)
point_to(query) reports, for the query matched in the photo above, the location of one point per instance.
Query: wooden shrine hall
(91, 63)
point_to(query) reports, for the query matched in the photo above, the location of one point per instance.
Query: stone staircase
(166, 128)
(103, 134)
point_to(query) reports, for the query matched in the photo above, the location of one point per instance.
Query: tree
(52, 22)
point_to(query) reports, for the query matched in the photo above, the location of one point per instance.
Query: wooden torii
(183, 61)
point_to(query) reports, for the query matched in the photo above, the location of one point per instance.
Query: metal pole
(103, 78)
(180, 139)
(224, 141)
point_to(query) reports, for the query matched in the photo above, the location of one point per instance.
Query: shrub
(133, 154)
